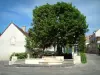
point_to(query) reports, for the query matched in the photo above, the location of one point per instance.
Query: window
(12, 40)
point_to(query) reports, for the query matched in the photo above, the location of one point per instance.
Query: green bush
(19, 55)
(37, 53)
(49, 53)
(83, 58)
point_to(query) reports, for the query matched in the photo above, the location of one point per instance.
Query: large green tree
(58, 24)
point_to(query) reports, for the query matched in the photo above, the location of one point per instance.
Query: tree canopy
(57, 24)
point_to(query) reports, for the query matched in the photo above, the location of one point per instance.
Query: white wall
(51, 48)
(97, 34)
(6, 49)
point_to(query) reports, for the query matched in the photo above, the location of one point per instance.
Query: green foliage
(37, 53)
(81, 43)
(49, 53)
(19, 55)
(82, 48)
(98, 47)
(58, 24)
(30, 43)
(83, 58)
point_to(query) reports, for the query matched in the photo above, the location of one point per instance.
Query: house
(94, 41)
(12, 40)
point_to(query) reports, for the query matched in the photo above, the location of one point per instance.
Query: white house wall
(5, 42)
(97, 34)
(51, 48)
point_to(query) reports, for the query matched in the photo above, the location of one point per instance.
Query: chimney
(24, 28)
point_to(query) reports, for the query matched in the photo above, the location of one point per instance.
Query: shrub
(37, 53)
(82, 48)
(49, 53)
(83, 58)
(19, 55)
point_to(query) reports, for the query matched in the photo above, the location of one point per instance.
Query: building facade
(12, 40)
(94, 41)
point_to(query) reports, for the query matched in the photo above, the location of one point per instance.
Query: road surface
(91, 68)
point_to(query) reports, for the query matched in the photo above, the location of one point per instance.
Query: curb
(31, 65)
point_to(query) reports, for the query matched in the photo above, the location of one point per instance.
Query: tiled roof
(25, 33)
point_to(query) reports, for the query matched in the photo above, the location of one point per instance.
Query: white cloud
(9, 16)
(27, 11)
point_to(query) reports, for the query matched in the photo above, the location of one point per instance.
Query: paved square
(91, 68)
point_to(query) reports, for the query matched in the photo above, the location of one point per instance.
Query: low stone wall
(49, 60)
(33, 61)
(59, 58)
(76, 59)
(13, 60)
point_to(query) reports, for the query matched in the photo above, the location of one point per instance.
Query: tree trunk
(54, 51)
(43, 51)
(59, 50)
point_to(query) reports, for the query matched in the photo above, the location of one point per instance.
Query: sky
(20, 12)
